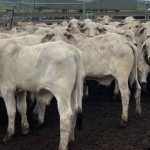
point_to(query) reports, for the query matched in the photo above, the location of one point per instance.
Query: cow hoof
(72, 139)
(39, 125)
(138, 115)
(25, 131)
(35, 117)
(123, 124)
(7, 139)
(116, 97)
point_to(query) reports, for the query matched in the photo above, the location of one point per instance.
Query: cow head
(146, 51)
(74, 26)
(129, 20)
(143, 73)
(130, 36)
(144, 31)
(104, 20)
(92, 29)
(101, 29)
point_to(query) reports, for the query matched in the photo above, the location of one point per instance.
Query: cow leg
(43, 98)
(86, 90)
(73, 121)
(116, 90)
(73, 124)
(66, 116)
(10, 103)
(138, 98)
(143, 73)
(22, 108)
(125, 95)
(39, 112)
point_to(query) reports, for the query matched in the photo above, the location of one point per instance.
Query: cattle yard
(74, 75)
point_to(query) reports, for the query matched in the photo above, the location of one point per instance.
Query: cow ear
(143, 51)
(68, 35)
(120, 25)
(101, 30)
(68, 30)
(143, 47)
(47, 37)
(141, 31)
(69, 25)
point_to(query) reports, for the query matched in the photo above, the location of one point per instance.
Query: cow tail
(133, 79)
(78, 87)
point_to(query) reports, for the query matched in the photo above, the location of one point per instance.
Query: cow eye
(83, 30)
(129, 37)
(136, 26)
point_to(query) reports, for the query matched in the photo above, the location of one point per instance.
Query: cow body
(112, 60)
(44, 69)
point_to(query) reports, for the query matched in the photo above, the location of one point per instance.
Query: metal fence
(8, 18)
(118, 16)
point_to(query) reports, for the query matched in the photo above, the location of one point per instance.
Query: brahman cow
(48, 68)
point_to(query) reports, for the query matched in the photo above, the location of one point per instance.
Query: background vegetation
(18, 7)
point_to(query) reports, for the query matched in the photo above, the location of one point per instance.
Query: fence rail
(118, 16)
(10, 17)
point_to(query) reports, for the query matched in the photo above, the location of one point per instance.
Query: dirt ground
(100, 131)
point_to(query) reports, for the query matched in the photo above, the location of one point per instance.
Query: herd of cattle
(55, 60)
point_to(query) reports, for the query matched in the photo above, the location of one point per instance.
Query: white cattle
(43, 30)
(64, 24)
(144, 63)
(10, 35)
(142, 38)
(115, 23)
(74, 25)
(129, 20)
(92, 29)
(49, 68)
(104, 20)
(143, 33)
(134, 26)
(113, 58)
(87, 21)
(27, 40)
(113, 29)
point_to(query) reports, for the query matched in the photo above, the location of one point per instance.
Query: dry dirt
(101, 117)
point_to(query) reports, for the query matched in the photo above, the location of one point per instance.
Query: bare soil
(101, 118)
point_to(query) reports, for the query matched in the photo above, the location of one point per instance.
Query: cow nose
(91, 35)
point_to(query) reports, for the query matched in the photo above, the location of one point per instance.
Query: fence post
(11, 19)
(84, 10)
